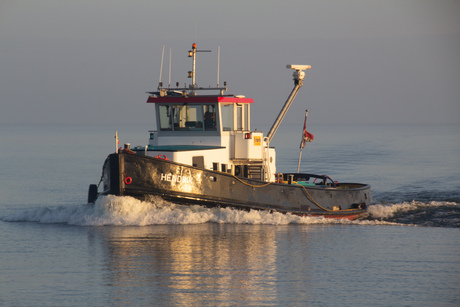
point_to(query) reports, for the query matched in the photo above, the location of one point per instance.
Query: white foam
(380, 211)
(128, 211)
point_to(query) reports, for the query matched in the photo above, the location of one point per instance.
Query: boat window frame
(173, 118)
(227, 116)
(239, 118)
(247, 115)
(167, 118)
(210, 116)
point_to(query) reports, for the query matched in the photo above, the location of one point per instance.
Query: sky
(91, 62)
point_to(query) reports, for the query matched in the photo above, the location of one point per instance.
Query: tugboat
(203, 151)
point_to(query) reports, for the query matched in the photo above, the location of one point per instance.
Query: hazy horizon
(92, 61)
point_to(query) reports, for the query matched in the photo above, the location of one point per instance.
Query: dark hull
(141, 176)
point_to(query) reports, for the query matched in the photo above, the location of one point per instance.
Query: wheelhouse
(212, 132)
(201, 115)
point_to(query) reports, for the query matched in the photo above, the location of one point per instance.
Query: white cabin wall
(272, 163)
(189, 140)
(248, 148)
(210, 156)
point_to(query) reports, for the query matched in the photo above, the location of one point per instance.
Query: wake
(127, 211)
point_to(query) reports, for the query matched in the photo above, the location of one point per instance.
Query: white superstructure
(213, 131)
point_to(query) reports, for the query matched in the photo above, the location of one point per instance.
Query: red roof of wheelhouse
(199, 99)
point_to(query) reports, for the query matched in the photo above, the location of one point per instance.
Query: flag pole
(300, 156)
(116, 141)
(303, 141)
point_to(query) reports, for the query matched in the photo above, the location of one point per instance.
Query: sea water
(57, 250)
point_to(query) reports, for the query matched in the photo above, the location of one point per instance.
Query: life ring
(128, 180)
(162, 157)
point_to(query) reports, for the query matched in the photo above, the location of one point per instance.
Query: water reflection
(205, 264)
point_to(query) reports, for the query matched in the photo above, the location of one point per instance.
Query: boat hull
(140, 176)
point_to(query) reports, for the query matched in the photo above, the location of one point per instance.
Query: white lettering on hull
(177, 178)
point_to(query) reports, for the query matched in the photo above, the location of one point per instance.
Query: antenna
(218, 64)
(169, 84)
(164, 91)
(161, 67)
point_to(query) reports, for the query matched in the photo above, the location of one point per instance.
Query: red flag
(306, 136)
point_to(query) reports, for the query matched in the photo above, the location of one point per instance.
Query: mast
(192, 74)
(304, 139)
(298, 75)
(191, 88)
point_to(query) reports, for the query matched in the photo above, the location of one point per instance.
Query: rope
(313, 201)
(306, 191)
(251, 185)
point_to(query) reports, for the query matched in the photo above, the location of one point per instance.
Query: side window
(227, 117)
(246, 117)
(239, 118)
(165, 117)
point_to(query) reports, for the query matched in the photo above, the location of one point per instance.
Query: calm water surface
(56, 250)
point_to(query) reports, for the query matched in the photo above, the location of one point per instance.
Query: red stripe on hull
(350, 216)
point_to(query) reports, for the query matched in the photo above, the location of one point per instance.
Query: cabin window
(209, 117)
(165, 117)
(180, 121)
(187, 117)
(246, 117)
(227, 117)
(239, 118)
(181, 117)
